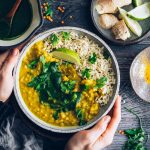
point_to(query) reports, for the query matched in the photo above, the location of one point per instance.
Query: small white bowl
(103, 111)
(137, 75)
(36, 23)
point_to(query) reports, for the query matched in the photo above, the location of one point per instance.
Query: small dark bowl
(36, 23)
(107, 34)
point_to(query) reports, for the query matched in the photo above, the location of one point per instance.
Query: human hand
(7, 63)
(101, 135)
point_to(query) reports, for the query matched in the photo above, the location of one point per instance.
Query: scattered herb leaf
(80, 116)
(56, 115)
(42, 60)
(86, 73)
(84, 87)
(49, 11)
(92, 58)
(33, 64)
(67, 86)
(66, 35)
(136, 137)
(54, 39)
(101, 82)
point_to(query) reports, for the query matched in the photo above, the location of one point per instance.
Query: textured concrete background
(80, 10)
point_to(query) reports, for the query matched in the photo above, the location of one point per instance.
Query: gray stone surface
(80, 10)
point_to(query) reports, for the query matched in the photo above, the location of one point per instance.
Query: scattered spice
(61, 9)
(121, 132)
(47, 11)
(62, 22)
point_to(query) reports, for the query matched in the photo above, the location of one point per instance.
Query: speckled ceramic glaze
(137, 75)
(34, 26)
(145, 24)
(103, 111)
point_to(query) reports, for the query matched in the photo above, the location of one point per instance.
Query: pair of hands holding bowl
(97, 138)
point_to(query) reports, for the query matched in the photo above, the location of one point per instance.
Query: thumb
(99, 128)
(11, 61)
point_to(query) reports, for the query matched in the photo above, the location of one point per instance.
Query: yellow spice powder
(147, 73)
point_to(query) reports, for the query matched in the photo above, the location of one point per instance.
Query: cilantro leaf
(67, 86)
(66, 35)
(33, 64)
(49, 11)
(56, 115)
(92, 58)
(136, 137)
(54, 39)
(80, 116)
(86, 73)
(42, 60)
(84, 87)
(101, 82)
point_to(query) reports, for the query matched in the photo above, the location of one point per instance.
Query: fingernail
(15, 52)
(107, 119)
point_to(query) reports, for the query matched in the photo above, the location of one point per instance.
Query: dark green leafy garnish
(101, 82)
(53, 91)
(80, 117)
(66, 35)
(56, 115)
(136, 137)
(68, 86)
(54, 39)
(42, 60)
(84, 87)
(49, 11)
(33, 64)
(86, 73)
(92, 58)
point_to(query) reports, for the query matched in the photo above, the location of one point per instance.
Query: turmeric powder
(147, 73)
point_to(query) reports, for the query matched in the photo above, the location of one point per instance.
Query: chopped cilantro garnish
(54, 39)
(53, 91)
(66, 35)
(80, 116)
(101, 82)
(56, 115)
(49, 11)
(136, 136)
(84, 87)
(86, 73)
(33, 64)
(68, 86)
(92, 58)
(42, 60)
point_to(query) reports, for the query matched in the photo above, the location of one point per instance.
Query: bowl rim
(131, 76)
(117, 42)
(32, 33)
(69, 130)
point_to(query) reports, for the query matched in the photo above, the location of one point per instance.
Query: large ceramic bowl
(36, 23)
(103, 111)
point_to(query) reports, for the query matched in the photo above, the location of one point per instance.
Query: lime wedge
(66, 55)
(141, 12)
(137, 2)
(133, 25)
